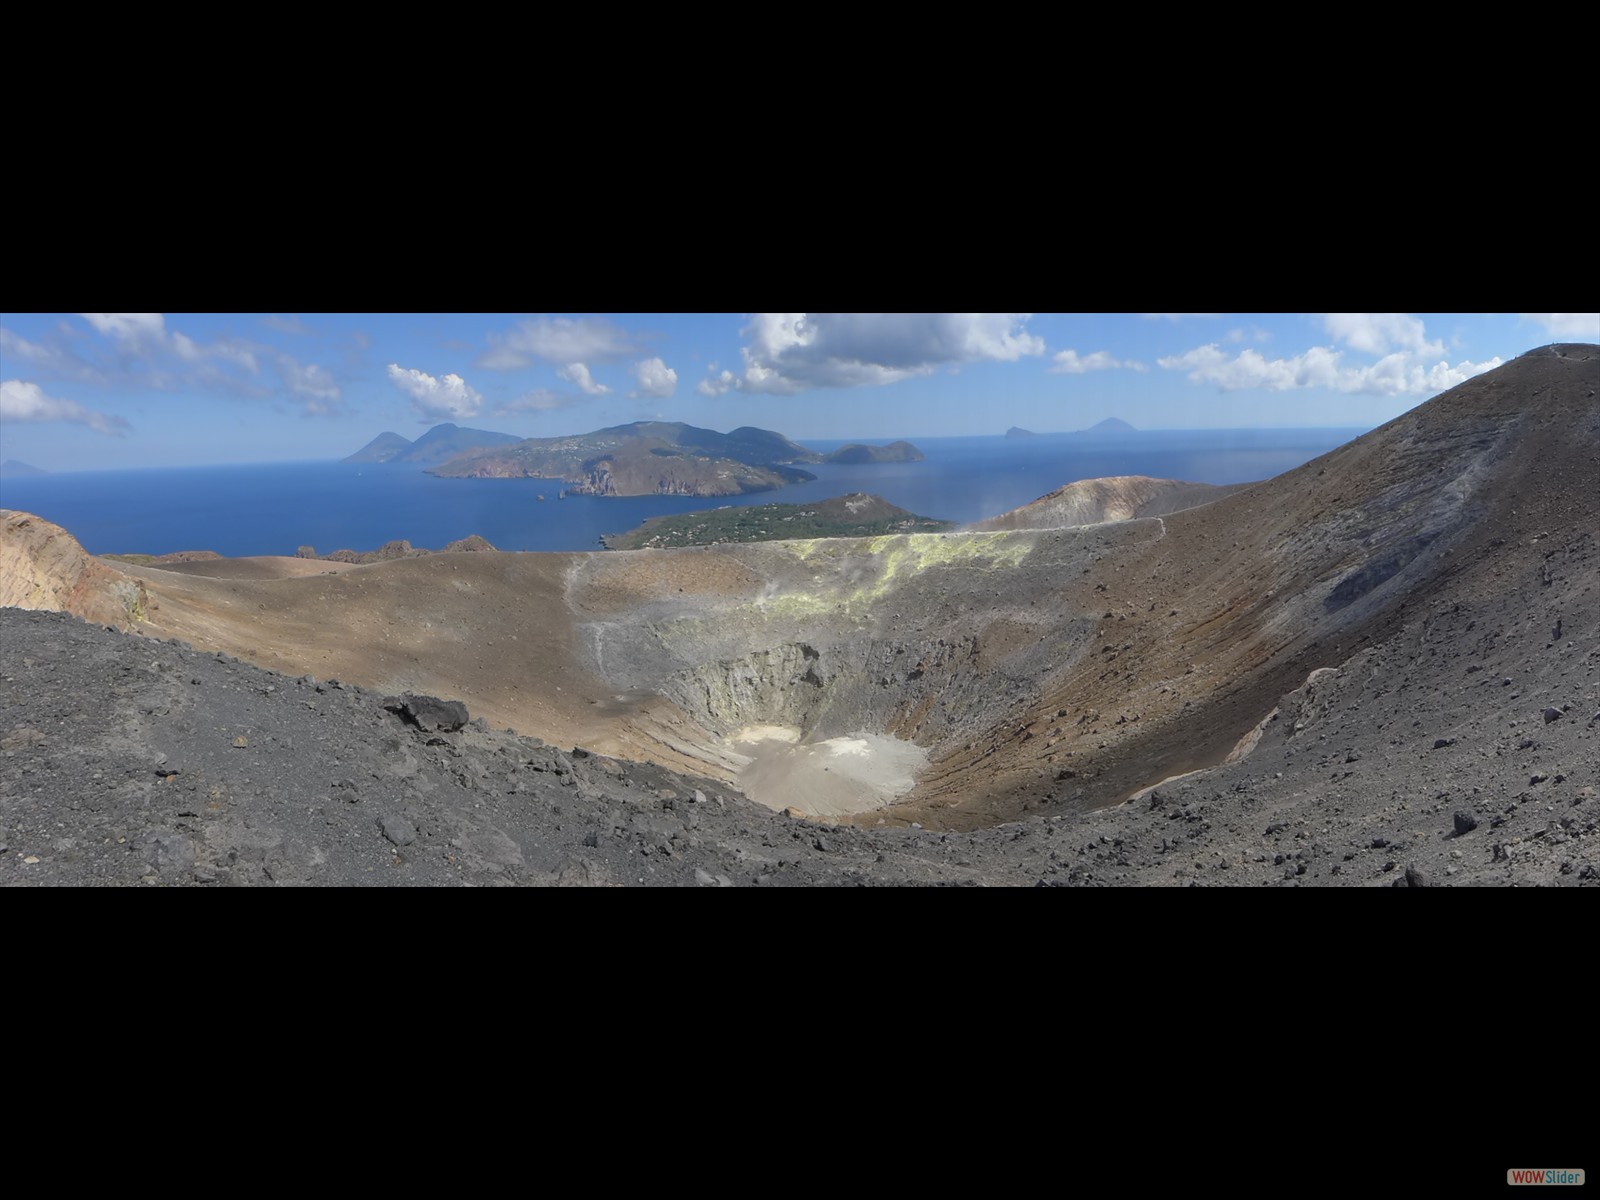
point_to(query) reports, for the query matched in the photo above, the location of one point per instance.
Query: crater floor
(829, 778)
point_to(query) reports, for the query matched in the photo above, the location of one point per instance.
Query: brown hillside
(1114, 498)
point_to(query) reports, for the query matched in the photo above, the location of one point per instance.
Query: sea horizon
(273, 508)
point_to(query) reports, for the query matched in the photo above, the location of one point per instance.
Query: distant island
(855, 515)
(440, 444)
(646, 458)
(894, 452)
(1110, 427)
(12, 467)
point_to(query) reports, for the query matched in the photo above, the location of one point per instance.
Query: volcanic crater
(1090, 649)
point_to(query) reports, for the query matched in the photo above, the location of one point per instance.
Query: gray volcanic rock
(120, 764)
(429, 712)
(148, 762)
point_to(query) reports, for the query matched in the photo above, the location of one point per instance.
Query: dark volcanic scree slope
(1385, 659)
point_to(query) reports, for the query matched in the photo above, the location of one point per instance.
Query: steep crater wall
(913, 689)
(843, 640)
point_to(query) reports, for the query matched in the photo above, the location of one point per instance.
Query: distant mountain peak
(386, 447)
(440, 443)
(1110, 425)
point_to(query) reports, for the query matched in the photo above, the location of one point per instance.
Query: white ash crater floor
(830, 777)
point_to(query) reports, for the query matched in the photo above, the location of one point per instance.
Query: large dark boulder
(430, 712)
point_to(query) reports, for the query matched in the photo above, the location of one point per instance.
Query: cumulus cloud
(1379, 333)
(717, 383)
(655, 378)
(1069, 362)
(793, 352)
(1396, 374)
(1574, 325)
(578, 373)
(451, 397)
(22, 401)
(558, 340)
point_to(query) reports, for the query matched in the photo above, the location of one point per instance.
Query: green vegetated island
(855, 515)
(646, 458)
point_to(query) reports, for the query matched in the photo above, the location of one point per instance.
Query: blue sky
(82, 391)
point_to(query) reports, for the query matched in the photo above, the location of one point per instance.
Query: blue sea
(276, 508)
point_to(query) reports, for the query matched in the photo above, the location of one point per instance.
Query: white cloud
(134, 328)
(53, 359)
(238, 353)
(578, 373)
(144, 346)
(1069, 362)
(792, 352)
(314, 384)
(144, 353)
(433, 398)
(19, 347)
(655, 378)
(717, 384)
(1379, 333)
(1397, 374)
(556, 339)
(1577, 325)
(1443, 375)
(21, 401)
